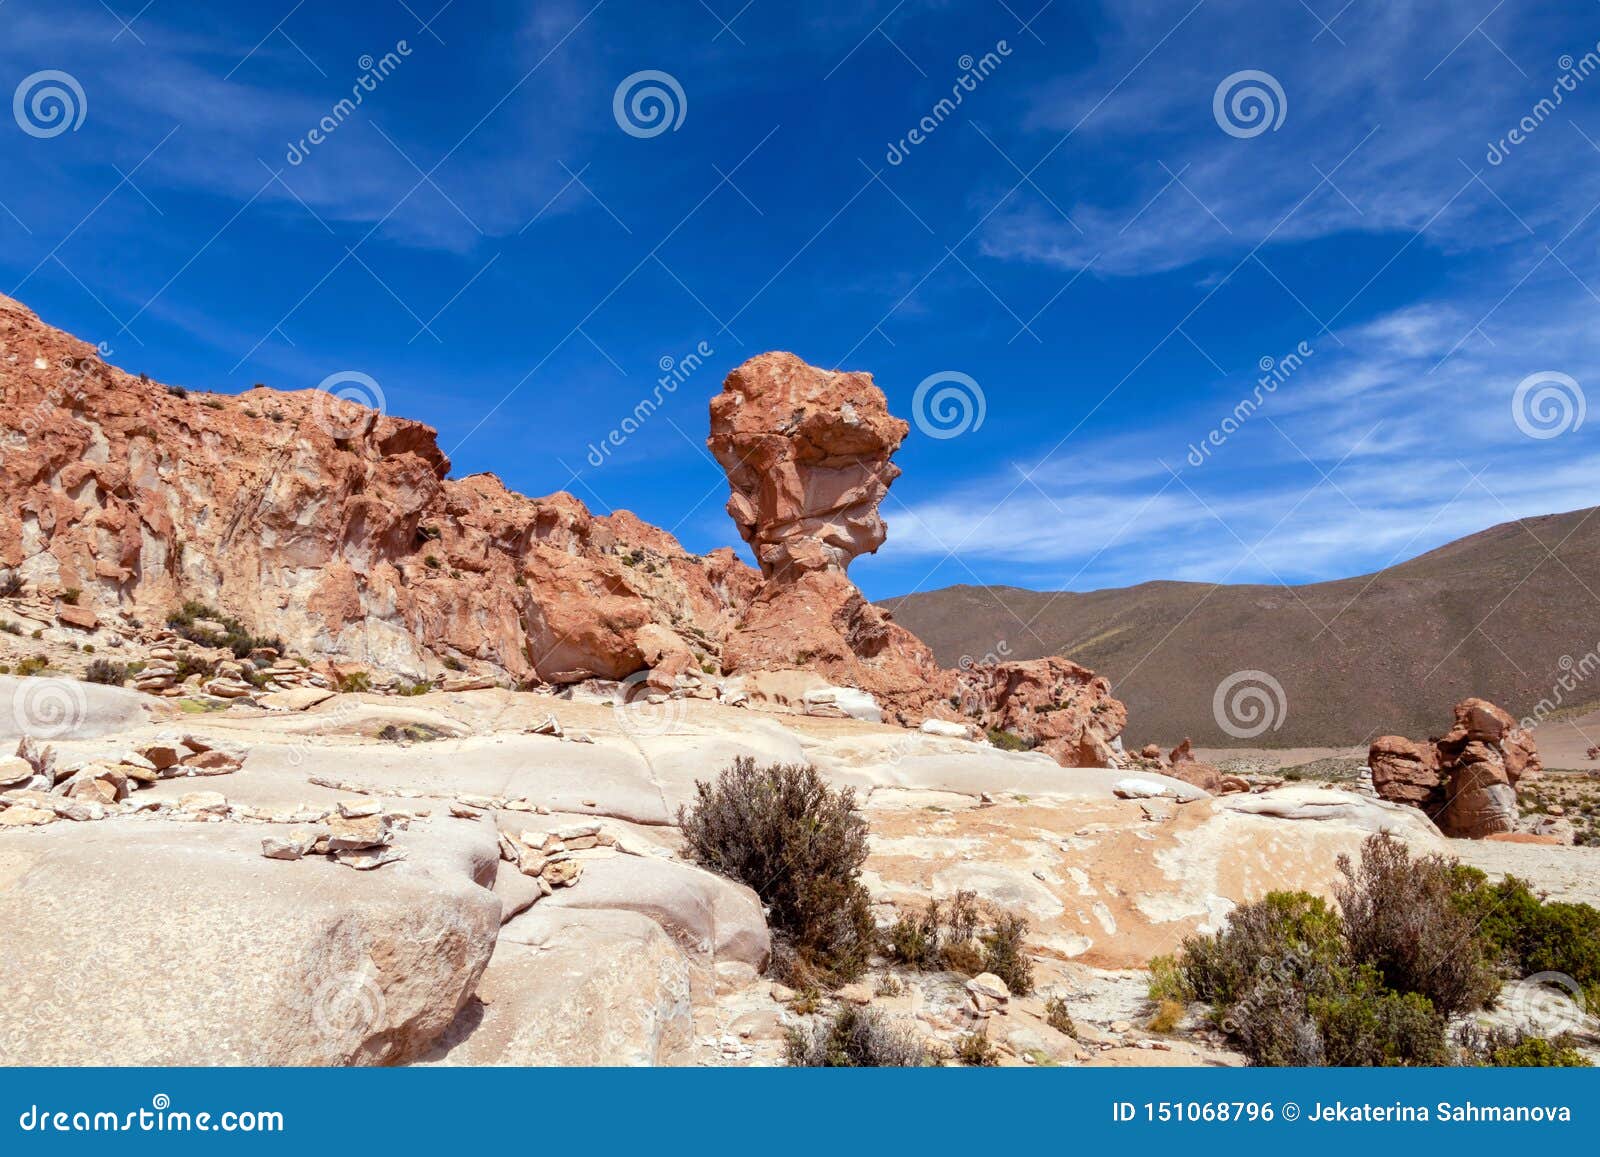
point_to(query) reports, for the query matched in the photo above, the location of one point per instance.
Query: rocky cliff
(338, 529)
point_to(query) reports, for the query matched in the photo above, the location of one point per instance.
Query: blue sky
(1082, 237)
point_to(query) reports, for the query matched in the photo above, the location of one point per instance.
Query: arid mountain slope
(1504, 614)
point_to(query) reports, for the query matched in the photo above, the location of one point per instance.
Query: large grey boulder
(52, 709)
(138, 942)
(707, 915)
(570, 987)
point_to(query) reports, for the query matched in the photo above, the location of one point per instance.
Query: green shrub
(356, 681)
(1058, 1017)
(1527, 935)
(1405, 917)
(800, 844)
(1364, 1024)
(32, 665)
(1167, 981)
(10, 584)
(1009, 740)
(1290, 934)
(1003, 954)
(1515, 1048)
(107, 672)
(855, 1038)
(233, 635)
(71, 595)
(11, 628)
(975, 1049)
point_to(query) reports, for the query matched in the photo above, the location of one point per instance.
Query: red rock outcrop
(333, 526)
(338, 529)
(1053, 704)
(807, 456)
(807, 453)
(1466, 780)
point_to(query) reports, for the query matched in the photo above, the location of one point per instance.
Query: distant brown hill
(1503, 614)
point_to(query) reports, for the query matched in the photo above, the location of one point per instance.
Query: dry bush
(962, 937)
(1405, 918)
(855, 1038)
(975, 1049)
(800, 845)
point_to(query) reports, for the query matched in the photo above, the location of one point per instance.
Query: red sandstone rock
(1466, 780)
(1065, 710)
(807, 456)
(334, 527)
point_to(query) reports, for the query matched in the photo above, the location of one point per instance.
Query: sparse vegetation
(32, 665)
(71, 595)
(1168, 1016)
(800, 844)
(1414, 943)
(1516, 1049)
(977, 1050)
(356, 681)
(1058, 1017)
(963, 937)
(10, 584)
(409, 733)
(855, 1038)
(106, 672)
(194, 621)
(431, 561)
(1009, 740)
(172, 391)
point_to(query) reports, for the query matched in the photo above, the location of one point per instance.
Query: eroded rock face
(807, 455)
(807, 452)
(1466, 780)
(1061, 708)
(323, 522)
